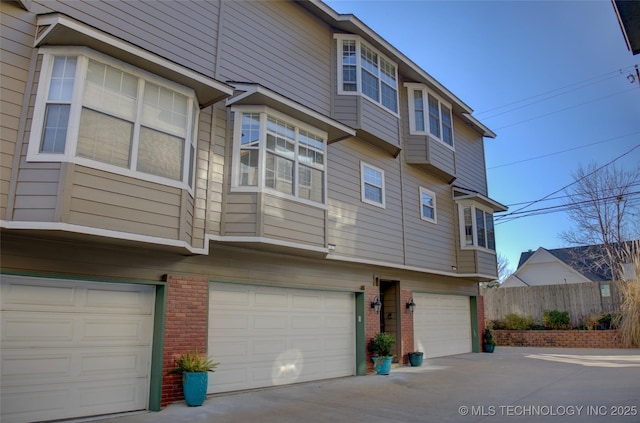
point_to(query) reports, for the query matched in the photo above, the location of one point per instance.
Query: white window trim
(474, 206)
(426, 92)
(435, 209)
(260, 187)
(358, 40)
(69, 155)
(362, 188)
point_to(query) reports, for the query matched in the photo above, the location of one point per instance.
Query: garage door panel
(61, 360)
(292, 335)
(442, 324)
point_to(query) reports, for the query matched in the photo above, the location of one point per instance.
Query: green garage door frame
(157, 347)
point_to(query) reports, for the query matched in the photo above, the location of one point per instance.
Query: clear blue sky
(546, 76)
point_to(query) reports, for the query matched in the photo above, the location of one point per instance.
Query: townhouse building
(270, 182)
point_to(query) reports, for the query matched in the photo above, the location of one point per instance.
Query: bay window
(429, 114)
(364, 71)
(476, 227)
(99, 112)
(278, 154)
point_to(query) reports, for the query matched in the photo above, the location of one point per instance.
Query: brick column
(372, 320)
(185, 328)
(407, 327)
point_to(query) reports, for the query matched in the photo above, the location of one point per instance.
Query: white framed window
(429, 114)
(476, 227)
(96, 111)
(428, 205)
(372, 185)
(362, 70)
(276, 153)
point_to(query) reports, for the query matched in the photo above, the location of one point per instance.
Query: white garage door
(265, 336)
(73, 348)
(441, 324)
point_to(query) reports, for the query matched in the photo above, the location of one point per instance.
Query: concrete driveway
(511, 385)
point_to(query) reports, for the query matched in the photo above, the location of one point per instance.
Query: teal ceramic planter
(194, 387)
(382, 365)
(415, 358)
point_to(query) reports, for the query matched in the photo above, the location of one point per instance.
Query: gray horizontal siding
(241, 215)
(183, 32)
(108, 201)
(292, 221)
(36, 192)
(286, 50)
(470, 162)
(487, 263)
(16, 38)
(378, 122)
(358, 229)
(428, 245)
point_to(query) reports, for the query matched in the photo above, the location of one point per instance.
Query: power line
(562, 151)
(565, 109)
(609, 75)
(564, 196)
(502, 217)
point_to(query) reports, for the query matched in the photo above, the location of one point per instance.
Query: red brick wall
(185, 328)
(559, 338)
(371, 319)
(407, 326)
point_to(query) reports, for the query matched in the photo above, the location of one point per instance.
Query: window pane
(418, 106)
(447, 126)
(104, 138)
(491, 236)
(280, 137)
(369, 60)
(389, 98)
(434, 116)
(54, 134)
(160, 154)
(349, 68)
(249, 167)
(427, 206)
(111, 91)
(482, 242)
(370, 86)
(279, 174)
(62, 77)
(468, 226)
(192, 164)
(311, 184)
(373, 193)
(165, 110)
(250, 129)
(310, 150)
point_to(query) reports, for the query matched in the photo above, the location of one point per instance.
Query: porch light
(411, 306)
(376, 304)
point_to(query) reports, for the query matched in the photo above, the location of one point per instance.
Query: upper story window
(427, 205)
(276, 153)
(476, 227)
(372, 184)
(363, 70)
(96, 111)
(429, 114)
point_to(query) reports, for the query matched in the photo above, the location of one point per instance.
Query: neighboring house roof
(562, 265)
(628, 12)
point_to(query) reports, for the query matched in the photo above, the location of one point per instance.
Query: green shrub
(381, 344)
(514, 321)
(556, 319)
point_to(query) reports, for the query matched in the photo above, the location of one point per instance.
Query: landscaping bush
(555, 319)
(514, 321)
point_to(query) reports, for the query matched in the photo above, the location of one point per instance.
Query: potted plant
(415, 358)
(195, 378)
(488, 343)
(380, 348)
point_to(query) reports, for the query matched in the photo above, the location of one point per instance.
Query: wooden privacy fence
(581, 300)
